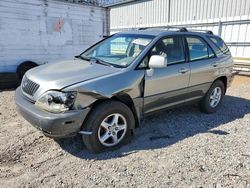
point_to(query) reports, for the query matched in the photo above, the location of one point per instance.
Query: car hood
(65, 73)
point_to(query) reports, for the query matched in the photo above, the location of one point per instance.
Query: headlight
(56, 101)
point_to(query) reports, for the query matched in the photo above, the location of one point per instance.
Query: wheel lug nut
(113, 133)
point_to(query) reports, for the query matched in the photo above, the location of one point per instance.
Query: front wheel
(213, 97)
(110, 123)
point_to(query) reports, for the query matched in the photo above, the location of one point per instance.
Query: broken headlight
(56, 101)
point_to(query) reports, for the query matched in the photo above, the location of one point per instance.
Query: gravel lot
(177, 148)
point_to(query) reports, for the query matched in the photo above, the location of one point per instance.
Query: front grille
(29, 87)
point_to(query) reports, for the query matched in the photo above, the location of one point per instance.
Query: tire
(24, 67)
(206, 105)
(100, 118)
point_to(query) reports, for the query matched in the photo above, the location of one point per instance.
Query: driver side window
(170, 48)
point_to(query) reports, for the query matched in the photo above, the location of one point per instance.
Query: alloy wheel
(112, 130)
(215, 97)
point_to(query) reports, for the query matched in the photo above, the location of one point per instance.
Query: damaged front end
(125, 86)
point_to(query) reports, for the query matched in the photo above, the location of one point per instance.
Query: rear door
(165, 87)
(204, 66)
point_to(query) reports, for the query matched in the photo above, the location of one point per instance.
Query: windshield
(119, 50)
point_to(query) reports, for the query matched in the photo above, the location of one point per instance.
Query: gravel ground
(176, 148)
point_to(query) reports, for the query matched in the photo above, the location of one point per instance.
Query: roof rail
(201, 30)
(180, 29)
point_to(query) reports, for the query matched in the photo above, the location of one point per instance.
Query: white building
(34, 32)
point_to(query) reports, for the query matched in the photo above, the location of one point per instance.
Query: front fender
(106, 87)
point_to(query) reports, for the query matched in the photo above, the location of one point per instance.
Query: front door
(165, 87)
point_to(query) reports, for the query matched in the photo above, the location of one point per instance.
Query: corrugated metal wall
(156, 12)
(228, 18)
(146, 13)
(193, 10)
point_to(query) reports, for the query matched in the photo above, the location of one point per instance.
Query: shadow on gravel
(2, 90)
(164, 129)
(5, 86)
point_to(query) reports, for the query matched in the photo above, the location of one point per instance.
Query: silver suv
(105, 92)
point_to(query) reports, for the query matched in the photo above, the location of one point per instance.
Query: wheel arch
(123, 98)
(224, 80)
(24, 66)
(127, 100)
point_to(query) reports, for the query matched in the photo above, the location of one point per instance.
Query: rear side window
(198, 49)
(220, 44)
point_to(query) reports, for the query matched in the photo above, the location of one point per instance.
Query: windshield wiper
(100, 61)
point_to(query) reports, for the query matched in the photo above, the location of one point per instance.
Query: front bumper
(52, 125)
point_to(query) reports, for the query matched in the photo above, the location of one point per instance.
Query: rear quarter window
(220, 44)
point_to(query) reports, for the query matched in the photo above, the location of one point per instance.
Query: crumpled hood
(62, 74)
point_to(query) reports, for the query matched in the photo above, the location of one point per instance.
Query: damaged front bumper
(52, 125)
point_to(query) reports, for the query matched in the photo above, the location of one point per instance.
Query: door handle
(214, 64)
(183, 70)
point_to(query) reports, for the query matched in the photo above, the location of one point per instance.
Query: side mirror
(157, 61)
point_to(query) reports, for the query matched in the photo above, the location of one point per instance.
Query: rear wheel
(110, 123)
(213, 98)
